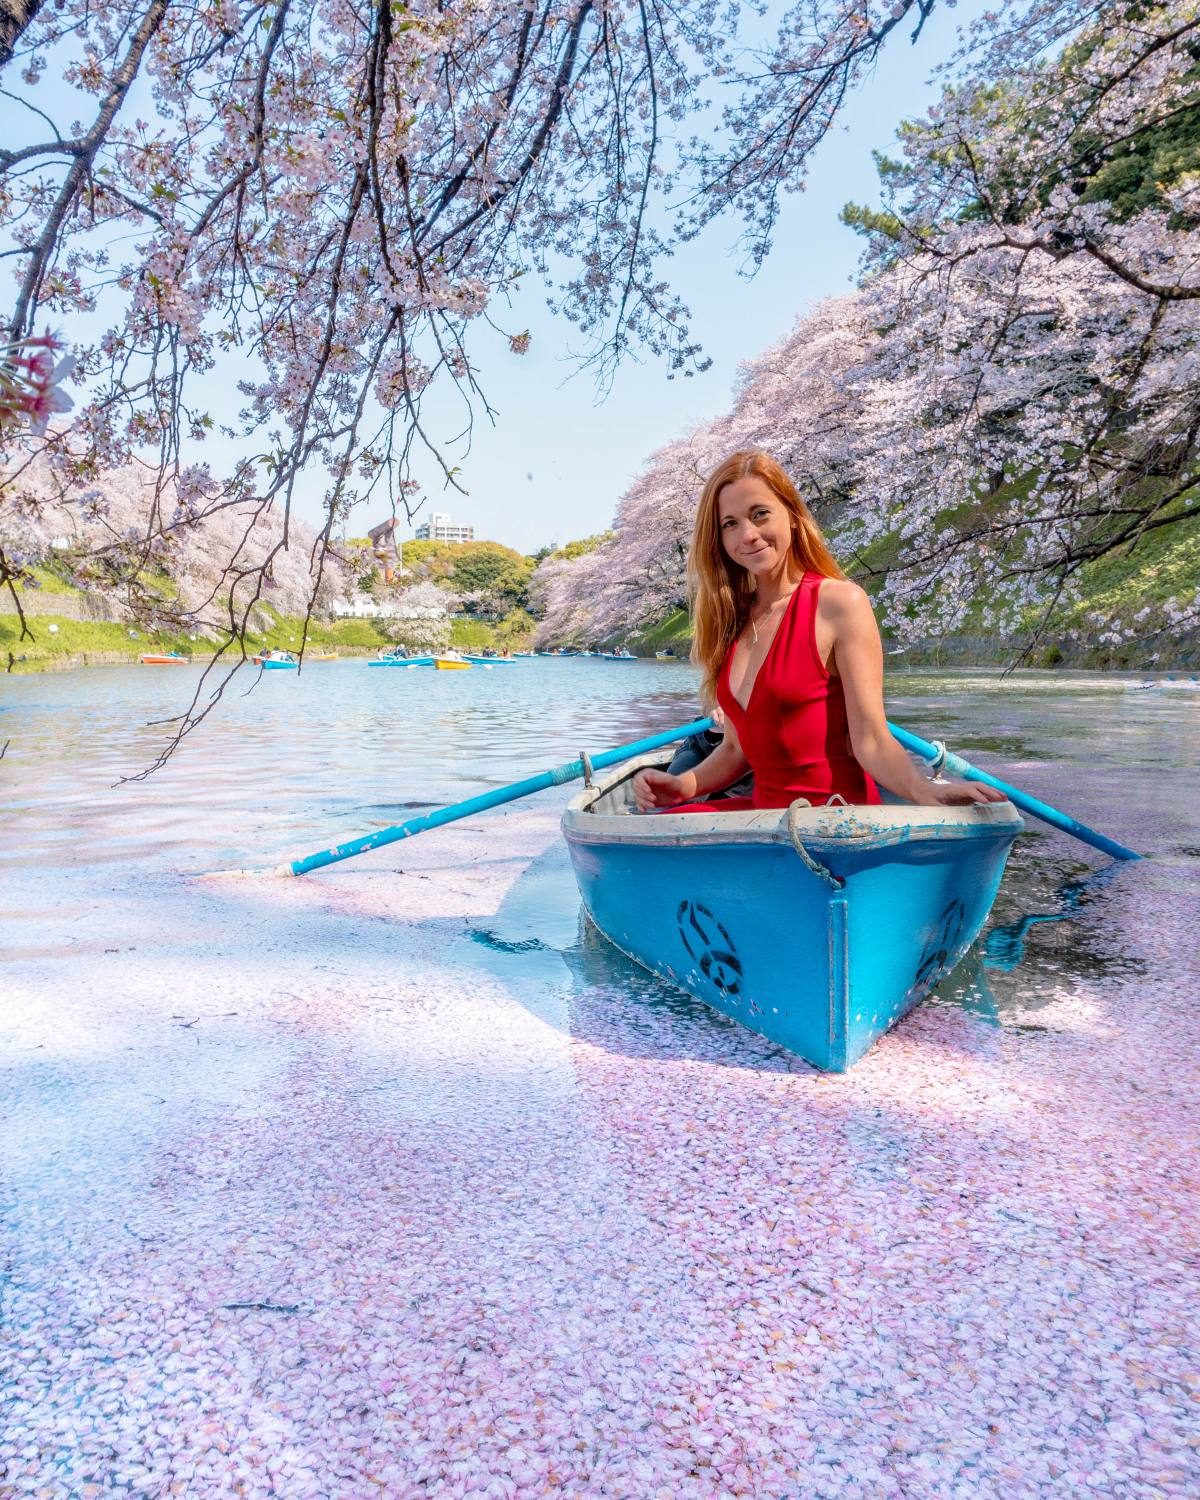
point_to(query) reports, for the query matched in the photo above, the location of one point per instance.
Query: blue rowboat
(402, 661)
(491, 661)
(616, 656)
(818, 927)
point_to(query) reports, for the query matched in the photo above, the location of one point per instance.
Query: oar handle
(962, 768)
(557, 776)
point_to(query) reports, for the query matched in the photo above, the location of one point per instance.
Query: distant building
(363, 607)
(439, 528)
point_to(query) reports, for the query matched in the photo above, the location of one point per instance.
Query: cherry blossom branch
(26, 303)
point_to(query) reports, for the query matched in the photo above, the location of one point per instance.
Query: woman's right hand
(660, 789)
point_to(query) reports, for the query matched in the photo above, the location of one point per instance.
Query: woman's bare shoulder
(842, 599)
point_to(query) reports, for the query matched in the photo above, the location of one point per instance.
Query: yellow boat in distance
(451, 664)
(320, 656)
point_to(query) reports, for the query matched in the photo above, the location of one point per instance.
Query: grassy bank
(81, 642)
(77, 643)
(672, 634)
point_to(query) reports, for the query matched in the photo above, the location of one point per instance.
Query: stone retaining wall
(35, 603)
(92, 607)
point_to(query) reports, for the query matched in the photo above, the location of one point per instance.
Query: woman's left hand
(956, 793)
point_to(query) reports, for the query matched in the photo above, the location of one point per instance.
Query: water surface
(398, 1180)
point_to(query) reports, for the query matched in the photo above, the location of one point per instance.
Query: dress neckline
(745, 707)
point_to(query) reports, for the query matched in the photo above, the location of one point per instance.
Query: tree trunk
(15, 16)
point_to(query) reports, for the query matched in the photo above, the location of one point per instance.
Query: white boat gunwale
(833, 827)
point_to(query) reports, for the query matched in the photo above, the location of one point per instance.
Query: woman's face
(755, 526)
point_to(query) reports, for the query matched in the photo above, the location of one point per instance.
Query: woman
(791, 652)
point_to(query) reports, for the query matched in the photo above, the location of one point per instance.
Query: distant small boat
(393, 658)
(451, 664)
(817, 927)
(491, 661)
(277, 661)
(616, 656)
(320, 656)
(164, 659)
(664, 656)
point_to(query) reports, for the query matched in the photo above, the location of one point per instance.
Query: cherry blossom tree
(1013, 394)
(187, 572)
(1035, 400)
(420, 617)
(327, 198)
(797, 401)
(327, 206)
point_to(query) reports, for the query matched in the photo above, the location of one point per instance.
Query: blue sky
(559, 458)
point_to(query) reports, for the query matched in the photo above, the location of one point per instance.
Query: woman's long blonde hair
(721, 591)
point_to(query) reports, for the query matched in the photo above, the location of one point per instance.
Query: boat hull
(451, 666)
(402, 661)
(150, 660)
(820, 955)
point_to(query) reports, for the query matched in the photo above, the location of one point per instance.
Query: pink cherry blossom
(1010, 395)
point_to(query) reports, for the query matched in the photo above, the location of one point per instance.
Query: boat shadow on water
(1047, 932)
(618, 1006)
(608, 1000)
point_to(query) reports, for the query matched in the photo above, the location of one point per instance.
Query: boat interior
(614, 792)
(611, 798)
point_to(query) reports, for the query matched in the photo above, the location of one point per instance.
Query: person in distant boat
(791, 652)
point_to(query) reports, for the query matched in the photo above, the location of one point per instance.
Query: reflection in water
(488, 938)
(1004, 947)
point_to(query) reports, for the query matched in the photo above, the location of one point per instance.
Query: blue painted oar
(956, 766)
(571, 771)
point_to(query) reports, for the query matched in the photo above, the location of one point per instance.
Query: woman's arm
(722, 768)
(845, 612)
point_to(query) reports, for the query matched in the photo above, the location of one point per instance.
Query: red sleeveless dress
(794, 730)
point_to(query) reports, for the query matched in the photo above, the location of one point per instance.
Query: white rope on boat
(819, 870)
